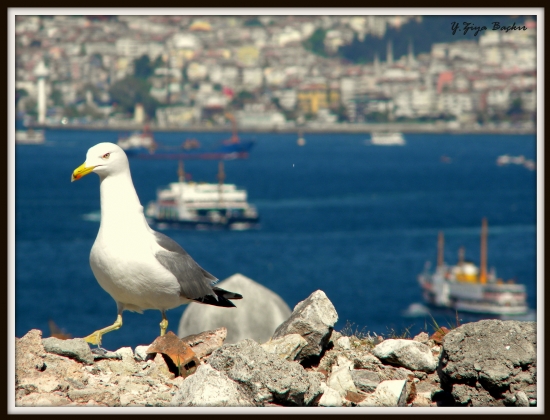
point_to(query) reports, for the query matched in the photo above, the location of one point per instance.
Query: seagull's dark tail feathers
(221, 298)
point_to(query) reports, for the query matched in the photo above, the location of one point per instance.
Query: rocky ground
(306, 363)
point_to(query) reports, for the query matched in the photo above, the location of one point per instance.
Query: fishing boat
(30, 136)
(142, 145)
(465, 287)
(387, 139)
(301, 140)
(193, 205)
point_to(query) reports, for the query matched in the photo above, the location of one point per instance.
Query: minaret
(221, 179)
(376, 64)
(440, 249)
(410, 57)
(389, 54)
(41, 72)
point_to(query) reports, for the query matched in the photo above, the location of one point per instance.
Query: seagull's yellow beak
(81, 171)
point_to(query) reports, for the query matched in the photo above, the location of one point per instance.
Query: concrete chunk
(76, 348)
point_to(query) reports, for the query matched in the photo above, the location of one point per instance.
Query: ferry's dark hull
(205, 223)
(239, 150)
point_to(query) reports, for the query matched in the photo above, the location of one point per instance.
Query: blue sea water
(356, 221)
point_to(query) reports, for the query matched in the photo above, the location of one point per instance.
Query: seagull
(139, 267)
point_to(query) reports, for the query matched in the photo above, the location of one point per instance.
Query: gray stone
(365, 380)
(486, 363)
(314, 319)
(256, 315)
(266, 376)
(407, 353)
(76, 348)
(521, 399)
(287, 347)
(208, 387)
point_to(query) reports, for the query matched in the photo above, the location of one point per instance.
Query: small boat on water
(142, 145)
(465, 287)
(387, 139)
(301, 140)
(30, 136)
(202, 206)
(503, 160)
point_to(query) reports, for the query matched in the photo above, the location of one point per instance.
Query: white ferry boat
(202, 206)
(138, 142)
(387, 139)
(467, 288)
(30, 136)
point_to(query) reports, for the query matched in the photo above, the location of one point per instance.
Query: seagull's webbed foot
(95, 337)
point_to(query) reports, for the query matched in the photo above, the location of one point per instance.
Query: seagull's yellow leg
(163, 324)
(95, 337)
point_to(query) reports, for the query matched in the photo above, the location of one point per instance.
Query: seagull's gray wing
(195, 282)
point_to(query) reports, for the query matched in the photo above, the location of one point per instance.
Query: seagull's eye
(106, 156)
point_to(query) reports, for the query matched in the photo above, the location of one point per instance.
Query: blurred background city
(276, 72)
(338, 149)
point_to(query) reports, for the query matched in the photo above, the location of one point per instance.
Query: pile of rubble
(305, 363)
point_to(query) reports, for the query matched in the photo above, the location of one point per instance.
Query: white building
(287, 98)
(252, 77)
(265, 119)
(196, 71)
(455, 103)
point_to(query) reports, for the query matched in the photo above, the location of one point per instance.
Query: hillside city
(181, 72)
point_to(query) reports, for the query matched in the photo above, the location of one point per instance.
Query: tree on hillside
(316, 42)
(130, 91)
(142, 67)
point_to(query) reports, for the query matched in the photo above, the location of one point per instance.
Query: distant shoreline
(328, 128)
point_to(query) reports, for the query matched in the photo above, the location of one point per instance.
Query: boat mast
(234, 136)
(181, 172)
(483, 257)
(440, 247)
(181, 179)
(221, 179)
(461, 256)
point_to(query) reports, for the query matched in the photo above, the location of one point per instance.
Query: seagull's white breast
(124, 264)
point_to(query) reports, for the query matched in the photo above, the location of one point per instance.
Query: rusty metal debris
(181, 355)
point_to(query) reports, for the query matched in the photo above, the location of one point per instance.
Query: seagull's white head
(104, 159)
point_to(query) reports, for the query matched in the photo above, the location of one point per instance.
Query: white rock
(407, 353)
(387, 394)
(330, 397)
(126, 353)
(208, 387)
(344, 343)
(340, 378)
(141, 353)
